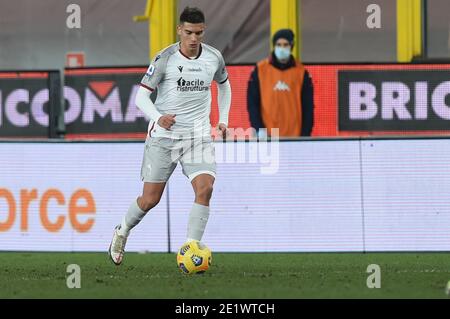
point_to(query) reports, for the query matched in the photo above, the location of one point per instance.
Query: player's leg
(199, 215)
(150, 197)
(157, 166)
(200, 167)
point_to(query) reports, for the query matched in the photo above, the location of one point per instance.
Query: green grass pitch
(242, 275)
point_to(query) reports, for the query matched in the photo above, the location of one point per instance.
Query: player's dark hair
(192, 15)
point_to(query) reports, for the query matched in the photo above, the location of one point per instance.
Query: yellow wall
(161, 15)
(283, 14)
(409, 29)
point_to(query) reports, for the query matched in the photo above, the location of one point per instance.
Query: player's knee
(204, 191)
(149, 201)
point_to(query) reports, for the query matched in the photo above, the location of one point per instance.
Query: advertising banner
(394, 100)
(24, 98)
(101, 103)
(380, 99)
(349, 100)
(299, 196)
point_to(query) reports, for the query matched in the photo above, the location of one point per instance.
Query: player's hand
(166, 121)
(222, 130)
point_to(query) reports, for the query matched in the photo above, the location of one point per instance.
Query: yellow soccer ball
(194, 258)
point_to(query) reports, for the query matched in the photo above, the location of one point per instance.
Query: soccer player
(179, 129)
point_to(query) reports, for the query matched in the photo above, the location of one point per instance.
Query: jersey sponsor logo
(180, 68)
(195, 69)
(281, 86)
(196, 85)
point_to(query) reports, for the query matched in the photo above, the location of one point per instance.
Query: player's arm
(149, 82)
(224, 96)
(224, 101)
(145, 104)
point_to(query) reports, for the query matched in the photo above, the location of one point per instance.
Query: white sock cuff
(132, 218)
(199, 209)
(137, 208)
(198, 218)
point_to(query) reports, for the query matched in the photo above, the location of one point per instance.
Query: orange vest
(281, 97)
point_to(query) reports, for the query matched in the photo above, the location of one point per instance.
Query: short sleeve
(221, 74)
(155, 73)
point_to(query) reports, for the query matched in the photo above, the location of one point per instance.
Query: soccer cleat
(117, 247)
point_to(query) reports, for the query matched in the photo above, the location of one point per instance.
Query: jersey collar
(198, 55)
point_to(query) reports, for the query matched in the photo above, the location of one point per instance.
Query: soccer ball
(194, 257)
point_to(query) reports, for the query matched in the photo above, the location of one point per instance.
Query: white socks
(198, 218)
(131, 219)
(197, 222)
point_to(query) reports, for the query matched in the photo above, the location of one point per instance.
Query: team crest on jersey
(151, 70)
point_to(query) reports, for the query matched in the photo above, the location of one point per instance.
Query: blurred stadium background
(71, 138)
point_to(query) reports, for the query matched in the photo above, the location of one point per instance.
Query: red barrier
(326, 99)
(325, 81)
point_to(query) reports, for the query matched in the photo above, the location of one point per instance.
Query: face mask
(282, 53)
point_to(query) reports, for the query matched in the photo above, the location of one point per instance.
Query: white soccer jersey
(184, 88)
